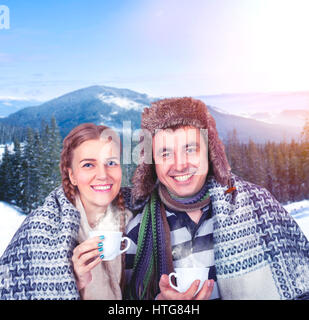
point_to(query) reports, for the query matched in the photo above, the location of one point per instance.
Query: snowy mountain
(97, 104)
(247, 128)
(9, 105)
(259, 102)
(288, 108)
(295, 118)
(112, 106)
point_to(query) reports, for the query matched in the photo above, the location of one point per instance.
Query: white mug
(186, 276)
(111, 243)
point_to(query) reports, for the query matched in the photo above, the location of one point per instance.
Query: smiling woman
(91, 175)
(73, 223)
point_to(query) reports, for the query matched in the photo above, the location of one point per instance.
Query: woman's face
(96, 172)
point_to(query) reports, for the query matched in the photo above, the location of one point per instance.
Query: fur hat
(178, 112)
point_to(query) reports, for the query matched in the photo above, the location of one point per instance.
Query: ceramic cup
(186, 276)
(111, 243)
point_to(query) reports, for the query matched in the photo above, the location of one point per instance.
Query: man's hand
(168, 293)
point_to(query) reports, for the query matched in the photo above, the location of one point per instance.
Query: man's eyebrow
(191, 144)
(164, 150)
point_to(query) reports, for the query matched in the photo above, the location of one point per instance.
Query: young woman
(51, 256)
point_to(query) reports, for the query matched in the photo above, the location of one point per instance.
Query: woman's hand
(85, 257)
(168, 293)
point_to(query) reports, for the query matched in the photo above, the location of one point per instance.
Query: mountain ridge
(112, 106)
(9, 105)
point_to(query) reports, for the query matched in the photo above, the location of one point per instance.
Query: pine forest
(30, 171)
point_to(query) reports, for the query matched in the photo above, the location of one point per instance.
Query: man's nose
(180, 161)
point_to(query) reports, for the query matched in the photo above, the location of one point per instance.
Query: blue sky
(159, 47)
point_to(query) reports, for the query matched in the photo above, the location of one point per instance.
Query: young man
(192, 211)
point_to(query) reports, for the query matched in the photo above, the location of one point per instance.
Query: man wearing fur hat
(192, 211)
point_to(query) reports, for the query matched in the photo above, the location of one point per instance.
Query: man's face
(181, 160)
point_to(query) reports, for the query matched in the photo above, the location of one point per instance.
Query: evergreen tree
(305, 158)
(256, 172)
(49, 149)
(32, 171)
(8, 133)
(282, 172)
(305, 132)
(36, 171)
(54, 154)
(29, 181)
(44, 149)
(16, 175)
(234, 151)
(5, 175)
(294, 172)
(272, 183)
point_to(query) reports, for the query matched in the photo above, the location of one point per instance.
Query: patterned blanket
(37, 263)
(260, 251)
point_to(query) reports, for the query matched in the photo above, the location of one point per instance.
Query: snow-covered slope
(10, 220)
(122, 102)
(300, 212)
(2, 148)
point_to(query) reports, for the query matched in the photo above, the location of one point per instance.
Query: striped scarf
(187, 204)
(153, 256)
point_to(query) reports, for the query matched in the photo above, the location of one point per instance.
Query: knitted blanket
(37, 263)
(260, 251)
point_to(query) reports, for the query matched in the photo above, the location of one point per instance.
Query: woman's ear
(71, 176)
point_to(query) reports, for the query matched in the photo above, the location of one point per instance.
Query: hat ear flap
(218, 160)
(144, 180)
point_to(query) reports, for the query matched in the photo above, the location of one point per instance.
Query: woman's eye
(112, 163)
(87, 165)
